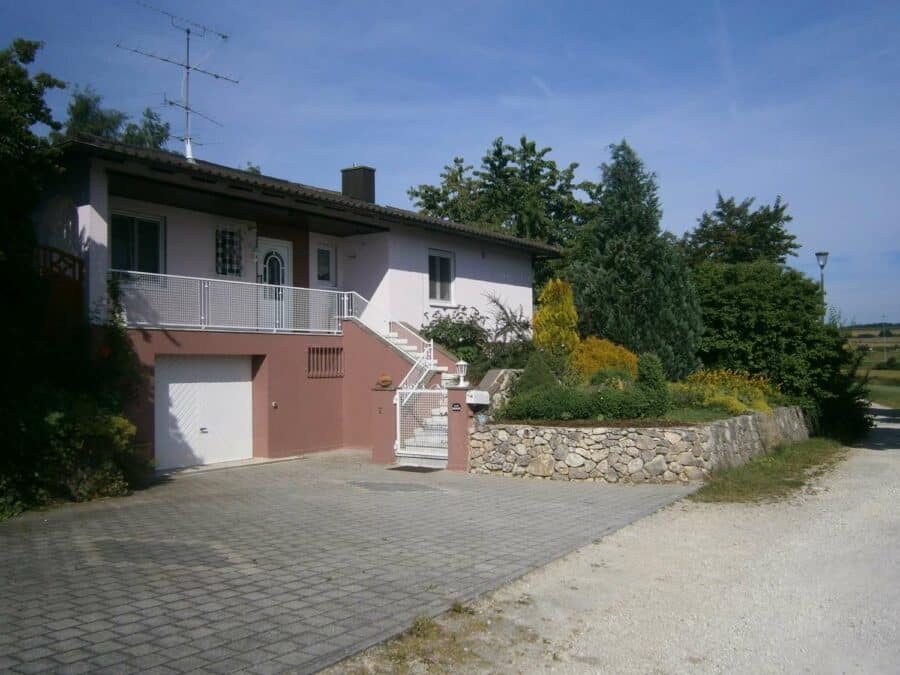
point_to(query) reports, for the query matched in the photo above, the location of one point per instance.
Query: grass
(885, 394)
(774, 476)
(440, 645)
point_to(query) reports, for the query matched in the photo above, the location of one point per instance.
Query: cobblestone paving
(282, 567)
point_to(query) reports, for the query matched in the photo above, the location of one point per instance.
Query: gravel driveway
(807, 586)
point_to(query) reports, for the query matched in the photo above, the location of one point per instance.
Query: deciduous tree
(735, 232)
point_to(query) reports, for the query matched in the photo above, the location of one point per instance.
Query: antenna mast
(186, 26)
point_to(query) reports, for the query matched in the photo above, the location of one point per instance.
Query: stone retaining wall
(632, 455)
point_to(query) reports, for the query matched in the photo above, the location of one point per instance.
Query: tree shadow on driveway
(886, 434)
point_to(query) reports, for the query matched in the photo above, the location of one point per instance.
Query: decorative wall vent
(325, 362)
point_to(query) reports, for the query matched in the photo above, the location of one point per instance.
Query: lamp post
(822, 259)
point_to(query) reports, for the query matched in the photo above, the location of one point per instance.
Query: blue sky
(750, 98)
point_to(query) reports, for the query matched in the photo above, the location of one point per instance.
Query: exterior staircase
(427, 446)
(421, 439)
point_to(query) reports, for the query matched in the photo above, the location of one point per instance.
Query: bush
(555, 320)
(731, 391)
(651, 381)
(764, 318)
(462, 327)
(618, 378)
(594, 353)
(556, 402)
(891, 364)
(546, 399)
(537, 375)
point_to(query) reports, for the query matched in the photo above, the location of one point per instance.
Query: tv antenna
(188, 27)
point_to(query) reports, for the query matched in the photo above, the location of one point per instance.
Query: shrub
(537, 375)
(593, 353)
(555, 402)
(461, 327)
(765, 318)
(617, 378)
(546, 399)
(555, 320)
(732, 391)
(891, 364)
(651, 381)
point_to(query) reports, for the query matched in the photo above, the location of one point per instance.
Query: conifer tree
(631, 282)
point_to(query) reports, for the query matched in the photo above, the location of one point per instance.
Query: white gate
(421, 427)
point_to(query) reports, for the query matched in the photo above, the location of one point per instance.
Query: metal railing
(368, 313)
(170, 301)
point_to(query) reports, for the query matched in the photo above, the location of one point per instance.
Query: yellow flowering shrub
(731, 390)
(593, 354)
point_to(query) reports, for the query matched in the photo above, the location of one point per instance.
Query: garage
(203, 410)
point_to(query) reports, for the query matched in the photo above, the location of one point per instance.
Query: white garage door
(203, 410)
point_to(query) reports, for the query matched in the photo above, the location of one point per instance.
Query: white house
(264, 310)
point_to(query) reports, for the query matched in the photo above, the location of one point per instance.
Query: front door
(274, 268)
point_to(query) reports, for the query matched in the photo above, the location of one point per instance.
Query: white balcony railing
(169, 301)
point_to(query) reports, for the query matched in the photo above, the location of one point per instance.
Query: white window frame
(448, 255)
(140, 215)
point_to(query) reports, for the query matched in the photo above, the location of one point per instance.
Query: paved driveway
(286, 566)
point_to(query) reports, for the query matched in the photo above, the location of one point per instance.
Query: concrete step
(427, 441)
(422, 462)
(422, 451)
(437, 412)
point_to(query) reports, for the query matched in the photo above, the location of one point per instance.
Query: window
(325, 362)
(136, 243)
(440, 276)
(325, 273)
(228, 252)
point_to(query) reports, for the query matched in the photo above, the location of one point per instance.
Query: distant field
(885, 376)
(885, 394)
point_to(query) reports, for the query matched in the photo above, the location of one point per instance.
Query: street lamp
(822, 258)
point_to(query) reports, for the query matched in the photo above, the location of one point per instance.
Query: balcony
(194, 303)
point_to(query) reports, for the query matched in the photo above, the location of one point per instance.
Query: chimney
(358, 182)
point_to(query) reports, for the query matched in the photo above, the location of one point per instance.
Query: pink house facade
(270, 317)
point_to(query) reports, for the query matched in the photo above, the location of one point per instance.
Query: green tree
(28, 163)
(253, 168)
(762, 317)
(152, 132)
(556, 321)
(517, 190)
(734, 232)
(86, 115)
(632, 284)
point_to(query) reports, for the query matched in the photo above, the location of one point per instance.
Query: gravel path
(811, 585)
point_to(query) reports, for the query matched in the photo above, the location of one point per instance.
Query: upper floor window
(136, 243)
(440, 276)
(228, 252)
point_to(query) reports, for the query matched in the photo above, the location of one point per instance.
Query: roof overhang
(158, 175)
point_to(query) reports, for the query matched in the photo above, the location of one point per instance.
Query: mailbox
(478, 398)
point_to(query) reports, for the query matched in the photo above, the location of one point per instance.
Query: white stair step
(422, 451)
(438, 412)
(423, 462)
(436, 420)
(426, 441)
(389, 336)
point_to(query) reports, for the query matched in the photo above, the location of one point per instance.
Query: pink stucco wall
(310, 414)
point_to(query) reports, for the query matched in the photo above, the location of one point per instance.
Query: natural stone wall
(632, 455)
